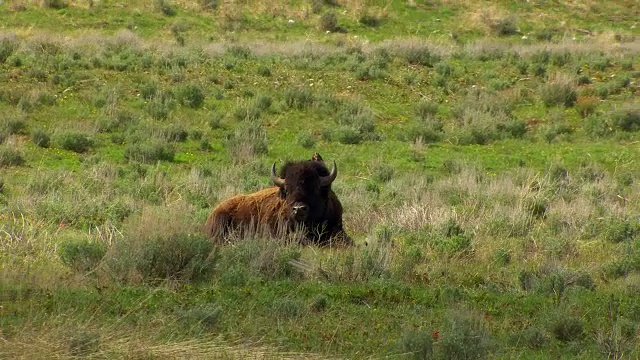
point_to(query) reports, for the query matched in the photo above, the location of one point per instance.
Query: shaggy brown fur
(270, 210)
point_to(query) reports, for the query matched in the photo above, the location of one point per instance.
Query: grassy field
(488, 167)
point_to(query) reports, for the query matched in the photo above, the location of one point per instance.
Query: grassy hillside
(488, 164)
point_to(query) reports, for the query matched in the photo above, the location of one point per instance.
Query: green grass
(487, 171)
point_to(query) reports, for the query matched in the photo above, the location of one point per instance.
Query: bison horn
(277, 180)
(327, 180)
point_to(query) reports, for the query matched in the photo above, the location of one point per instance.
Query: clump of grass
(288, 308)
(76, 142)
(176, 133)
(328, 22)
(55, 4)
(370, 19)
(82, 255)
(158, 245)
(420, 55)
(190, 95)
(559, 90)
(10, 157)
(465, 338)
(306, 139)
(149, 152)
(201, 318)
(84, 343)
(247, 141)
(620, 230)
(298, 98)
(383, 173)
(319, 303)
(502, 26)
(567, 328)
(166, 8)
(533, 337)
(239, 52)
(626, 118)
(15, 126)
(417, 344)
(264, 70)
(8, 44)
(256, 257)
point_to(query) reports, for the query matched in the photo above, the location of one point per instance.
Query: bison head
(305, 187)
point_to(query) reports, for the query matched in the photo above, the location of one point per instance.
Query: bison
(300, 202)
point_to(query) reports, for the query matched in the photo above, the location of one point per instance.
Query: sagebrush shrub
(559, 90)
(76, 142)
(417, 344)
(465, 338)
(298, 98)
(82, 255)
(158, 244)
(149, 152)
(626, 118)
(328, 22)
(306, 139)
(567, 328)
(191, 95)
(10, 157)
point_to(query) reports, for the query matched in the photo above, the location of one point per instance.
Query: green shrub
(567, 328)
(465, 338)
(426, 110)
(239, 51)
(8, 44)
(82, 255)
(263, 102)
(328, 22)
(264, 70)
(76, 142)
(627, 118)
(533, 338)
(417, 344)
(155, 257)
(306, 139)
(176, 133)
(40, 138)
(10, 157)
(503, 26)
(16, 126)
(288, 308)
(555, 131)
(298, 98)
(619, 230)
(148, 90)
(190, 95)
(319, 303)
(247, 141)
(55, 4)
(149, 152)
(165, 7)
(559, 91)
(347, 135)
(200, 318)
(83, 344)
(421, 55)
(383, 173)
(368, 19)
